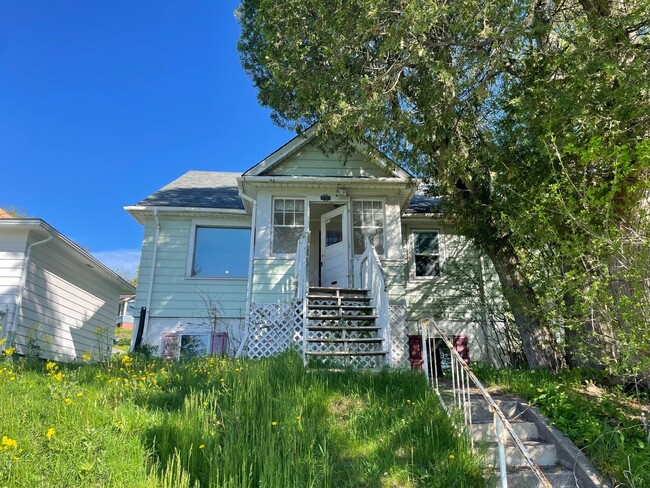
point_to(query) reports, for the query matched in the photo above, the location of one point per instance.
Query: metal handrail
(374, 279)
(461, 377)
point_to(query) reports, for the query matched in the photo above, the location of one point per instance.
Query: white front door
(335, 254)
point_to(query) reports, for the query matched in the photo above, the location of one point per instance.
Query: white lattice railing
(302, 284)
(374, 279)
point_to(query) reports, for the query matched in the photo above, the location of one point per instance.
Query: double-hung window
(368, 219)
(426, 253)
(220, 252)
(288, 224)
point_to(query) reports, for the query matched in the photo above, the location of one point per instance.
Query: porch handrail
(302, 285)
(461, 376)
(374, 279)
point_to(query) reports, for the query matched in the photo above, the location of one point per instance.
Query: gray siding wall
(67, 308)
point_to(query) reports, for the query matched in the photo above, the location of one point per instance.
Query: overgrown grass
(609, 425)
(224, 423)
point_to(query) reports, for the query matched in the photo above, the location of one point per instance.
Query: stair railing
(374, 279)
(463, 379)
(302, 284)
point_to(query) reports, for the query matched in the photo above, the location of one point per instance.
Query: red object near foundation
(415, 352)
(460, 345)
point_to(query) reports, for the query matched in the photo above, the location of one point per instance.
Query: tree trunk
(537, 339)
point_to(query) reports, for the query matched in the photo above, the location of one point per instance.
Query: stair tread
(342, 353)
(342, 327)
(346, 307)
(339, 289)
(349, 298)
(355, 339)
(339, 317)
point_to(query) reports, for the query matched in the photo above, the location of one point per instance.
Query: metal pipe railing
(302, 285)
(462, 379)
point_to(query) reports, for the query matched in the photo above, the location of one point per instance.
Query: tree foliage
(532, 117)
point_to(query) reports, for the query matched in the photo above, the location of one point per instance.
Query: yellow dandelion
(451, 456)
(80, 394)
(201, 446)
(3, 340)
(86, 356)
(222, 380)
(50, 433)
(8, 443)
(51, 366)
(67, 401)
(274, 423)
(13, 378)
(9, 351)
(298, 417)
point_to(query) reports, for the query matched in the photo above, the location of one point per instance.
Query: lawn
(225, 423)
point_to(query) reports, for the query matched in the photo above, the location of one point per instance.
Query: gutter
(152, 273)
(23, 281)
(249, 285)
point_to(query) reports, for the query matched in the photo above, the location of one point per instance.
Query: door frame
(344, 211)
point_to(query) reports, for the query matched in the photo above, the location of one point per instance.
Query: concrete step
(542, 453)
(558, 476)
(527, 431)
(481, 408)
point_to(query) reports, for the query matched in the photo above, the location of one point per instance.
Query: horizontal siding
(273, 280)
(311, 161)
(64, 304)
(174, 294)
(13, 243)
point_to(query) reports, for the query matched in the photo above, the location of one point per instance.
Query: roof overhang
(141, 212)
(43, 230)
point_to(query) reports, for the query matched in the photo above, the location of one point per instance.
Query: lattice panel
(273, 328)
(399, 337)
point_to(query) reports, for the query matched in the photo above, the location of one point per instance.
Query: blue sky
(102, 103)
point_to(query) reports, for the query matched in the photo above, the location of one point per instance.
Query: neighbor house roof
(198, 189)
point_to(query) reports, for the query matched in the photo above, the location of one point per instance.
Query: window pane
(359, 242)
(427, 265)
(334, 230)
(194, 345)
(278, 218)
(285, 239)
(300, 219)
(221, 253)
(378, 241)
(279, 205)
(300, 205)
(426, 243)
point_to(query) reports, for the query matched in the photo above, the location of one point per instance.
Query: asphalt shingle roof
(200, 189)
(211, 189)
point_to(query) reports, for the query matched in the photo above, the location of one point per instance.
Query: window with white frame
(288, 224)
(426, 253)
(220, 252)
(368, 219)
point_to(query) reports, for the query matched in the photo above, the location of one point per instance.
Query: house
(124, 317)
(341, 257)
(56, 300)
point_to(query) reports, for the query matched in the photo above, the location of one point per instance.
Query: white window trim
(385, 234)
(305, 224)
(441, 251)
(192, 241)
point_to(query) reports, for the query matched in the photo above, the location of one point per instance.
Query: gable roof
(270, 163)
(198, 189)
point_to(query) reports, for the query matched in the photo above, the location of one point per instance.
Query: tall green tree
(471, 94)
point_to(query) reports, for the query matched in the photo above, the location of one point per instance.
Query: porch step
(342, 317)
(346, 354)
(336, 328)
(559, 477)
(542, 453)
(352, 340)
(333, 314)
(486, 432)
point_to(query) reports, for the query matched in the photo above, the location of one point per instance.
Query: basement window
(193, 345)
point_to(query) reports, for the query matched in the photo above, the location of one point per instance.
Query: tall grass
(609, 425)
(224, 423)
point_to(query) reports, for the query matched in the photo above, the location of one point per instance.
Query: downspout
(249, 287)
(145, 327)
(23, 281)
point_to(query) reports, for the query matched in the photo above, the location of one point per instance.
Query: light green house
(341, 257)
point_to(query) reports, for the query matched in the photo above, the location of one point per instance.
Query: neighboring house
(281, 254)
(124, 317)
(56, 300)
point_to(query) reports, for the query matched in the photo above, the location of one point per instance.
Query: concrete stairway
(342, 328)
(543, 453)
